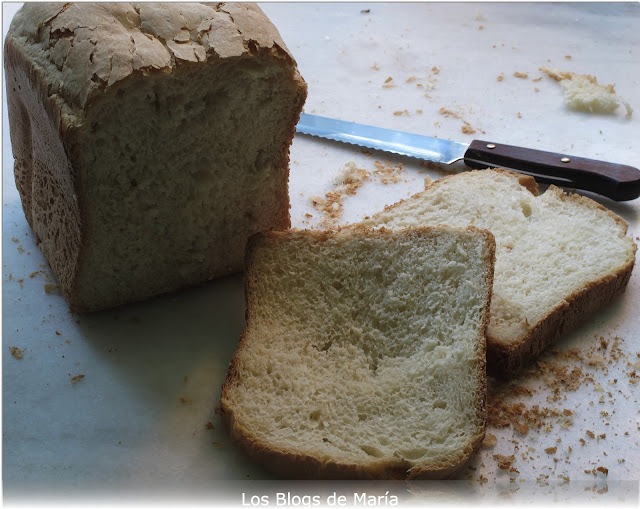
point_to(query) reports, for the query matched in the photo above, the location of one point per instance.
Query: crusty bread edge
(289, 465)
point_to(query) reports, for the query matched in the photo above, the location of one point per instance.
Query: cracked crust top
(84, 48)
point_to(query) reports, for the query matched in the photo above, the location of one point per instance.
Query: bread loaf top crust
(82, 49)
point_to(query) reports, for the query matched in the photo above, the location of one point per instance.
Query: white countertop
(142, 421)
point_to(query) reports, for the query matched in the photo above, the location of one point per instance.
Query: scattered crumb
(582, 92)
(346, 183)
(50, 288)
(16, 353)
(449, 113)
(522, 75)
(76, 378)
(489, 441)
(603, 470)
(401, 112)
(467, 129)
(387, 83)
(504, 462)
(551, 450)
(500, 78)
(389, 173)
(209, 425)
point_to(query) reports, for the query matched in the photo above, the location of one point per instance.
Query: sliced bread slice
(364, 352)
(559, 257)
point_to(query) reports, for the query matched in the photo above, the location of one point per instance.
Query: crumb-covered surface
(143, 418)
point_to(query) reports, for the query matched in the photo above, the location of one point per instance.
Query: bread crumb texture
(363, 351)
(582, 92)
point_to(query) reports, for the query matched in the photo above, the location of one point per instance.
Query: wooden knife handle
(615, 181)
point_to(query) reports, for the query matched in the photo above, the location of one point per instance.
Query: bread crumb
(603, 470)
(504, 462)
(209, 425)
(489, 441)
(76, 378)
(16, 352)
(401, 112)
(582, 92)
(500, 78)
(551, 450)
(50, 288)
(346, 182)
(522, 75)
(467, 129)
(590, 434)
(388, 173)
(449, 113)
(387, 83)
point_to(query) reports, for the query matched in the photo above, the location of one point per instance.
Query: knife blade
(616, 181)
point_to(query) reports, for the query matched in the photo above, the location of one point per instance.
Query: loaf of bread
(150, 140)
(559, 257)
(364, 352)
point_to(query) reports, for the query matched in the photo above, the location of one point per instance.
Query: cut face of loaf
(559, 257)
(150, 141)
(363, 354)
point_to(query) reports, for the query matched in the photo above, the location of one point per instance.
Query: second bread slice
(559, 257)
(364, 352)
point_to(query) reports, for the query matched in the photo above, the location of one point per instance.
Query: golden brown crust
(506, 360)
(286, 464)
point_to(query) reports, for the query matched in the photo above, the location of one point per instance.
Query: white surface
(123, 429)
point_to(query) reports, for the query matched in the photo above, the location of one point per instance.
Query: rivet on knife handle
(616, 181)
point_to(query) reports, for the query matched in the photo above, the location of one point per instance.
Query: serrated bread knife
(615, 181)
